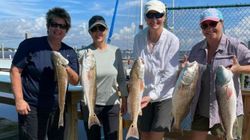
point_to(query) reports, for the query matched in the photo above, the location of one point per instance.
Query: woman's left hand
(145, 100)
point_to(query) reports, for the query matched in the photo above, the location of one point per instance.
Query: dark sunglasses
(61, 26)
(212, 24)
(99, 28)
(154, 15)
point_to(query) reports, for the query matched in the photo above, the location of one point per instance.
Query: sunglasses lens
(212, 24)
(204, 26)
(94, 29)
(99, 28)
(154, 15)
(102, 28)
(159, 15)
(61, 26)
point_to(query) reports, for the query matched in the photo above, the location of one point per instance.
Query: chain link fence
(184, 23)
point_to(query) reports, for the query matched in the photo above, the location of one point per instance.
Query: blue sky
(18, 17)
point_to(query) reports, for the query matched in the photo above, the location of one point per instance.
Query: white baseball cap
(155, 5)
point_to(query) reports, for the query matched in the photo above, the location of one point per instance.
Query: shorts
(201, 123)
(156, 117)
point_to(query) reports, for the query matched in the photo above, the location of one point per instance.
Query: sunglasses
(61, 26)
(98, 28)
(212, 24)
(154, 15)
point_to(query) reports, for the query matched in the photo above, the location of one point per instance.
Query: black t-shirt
(38, 79)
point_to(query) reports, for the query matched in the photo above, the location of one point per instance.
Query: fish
(61, 77)
(184, 92)
(88, 81)
(226, 97)
(136, 88)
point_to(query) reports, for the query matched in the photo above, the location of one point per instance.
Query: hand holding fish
(22, 107)
(183, 62)
(62, 60)
(145, 100)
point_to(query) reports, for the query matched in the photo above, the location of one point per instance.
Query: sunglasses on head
(61, 26)
(212, 24)
(98, 28)
(154, 15)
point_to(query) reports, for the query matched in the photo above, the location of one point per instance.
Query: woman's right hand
(22, 107)
(183, 62)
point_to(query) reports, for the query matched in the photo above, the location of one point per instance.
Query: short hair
(59, 13)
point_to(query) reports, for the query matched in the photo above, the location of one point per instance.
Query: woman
(33, 83)
(216, 49)
(109, 72)
(159, 49)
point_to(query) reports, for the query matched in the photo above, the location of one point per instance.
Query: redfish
(88, 81)
(184, 92)
(62, 82)
(136, 88)
(226, 97)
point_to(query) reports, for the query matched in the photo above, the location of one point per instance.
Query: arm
(72, 75)
(22, 107)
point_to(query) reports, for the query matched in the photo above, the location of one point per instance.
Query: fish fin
(133, 132)
(93, 120)
(229, 92)
(142, 86)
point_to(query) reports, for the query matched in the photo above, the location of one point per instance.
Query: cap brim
(98, 23)
(154, 9)
(210, 18)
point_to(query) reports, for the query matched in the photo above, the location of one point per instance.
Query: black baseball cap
(97, 20)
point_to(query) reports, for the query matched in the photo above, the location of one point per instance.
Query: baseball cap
(211, 14)
(155, 5)
(97, 20)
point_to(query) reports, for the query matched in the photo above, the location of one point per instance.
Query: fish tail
(93, 120)
(60, 122)
(133, 132)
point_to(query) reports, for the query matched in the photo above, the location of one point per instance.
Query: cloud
(124, 37)
(241, 30)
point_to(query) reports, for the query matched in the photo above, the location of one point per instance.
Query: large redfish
(88, 81)
(136, 88)
(226, 96)
(184, 92)
(62, 82)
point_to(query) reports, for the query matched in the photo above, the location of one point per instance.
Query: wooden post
(120, 130)
(246, 122)
(71, 117)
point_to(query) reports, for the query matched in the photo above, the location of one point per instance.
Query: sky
(18, 17)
